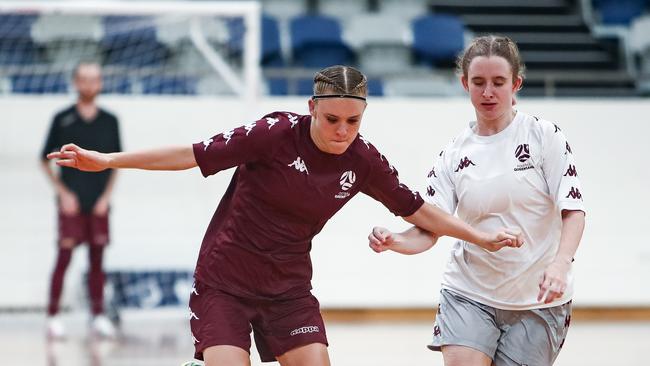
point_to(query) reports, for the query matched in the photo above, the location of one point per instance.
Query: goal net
(163, 47)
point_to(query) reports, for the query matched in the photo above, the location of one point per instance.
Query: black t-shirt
(100, 134)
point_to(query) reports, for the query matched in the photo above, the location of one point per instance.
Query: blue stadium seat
(116, 84)
(305, 86)
(182, 85)
(16, 26)
(39, 83)
(437, 38)
(271, 50)
(131, 41)
(16, 45)
(619, 12)
(316, 42)
(278, 86)
(375, 87)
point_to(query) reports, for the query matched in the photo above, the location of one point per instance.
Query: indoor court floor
(163, 338)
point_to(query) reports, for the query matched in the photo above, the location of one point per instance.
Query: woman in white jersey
(507, 169)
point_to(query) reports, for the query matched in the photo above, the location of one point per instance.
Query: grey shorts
(509, 337)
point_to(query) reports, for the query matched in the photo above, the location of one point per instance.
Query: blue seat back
(438, 37)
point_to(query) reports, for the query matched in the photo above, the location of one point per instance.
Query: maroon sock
(96, 279)
(56, 285)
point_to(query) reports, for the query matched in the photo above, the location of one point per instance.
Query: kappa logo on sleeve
(568, 149)
(432, 173)
(207, 143)
(249, 127)
(272, 121)
(366, 142)
(228, 135)
(574, 193)
(571, 171)
(430, 191)
(293, 119)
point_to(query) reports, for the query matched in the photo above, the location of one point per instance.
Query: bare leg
(314, 354)
(226, 356)
(464, 356)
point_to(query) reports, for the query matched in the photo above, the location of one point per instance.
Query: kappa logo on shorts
(436, 331)
(194, 340)
(303, 330)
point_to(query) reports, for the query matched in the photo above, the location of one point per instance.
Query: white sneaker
(55, 328)
(192, 363)
(103, 327)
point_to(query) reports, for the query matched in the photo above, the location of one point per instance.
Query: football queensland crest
(347, 180)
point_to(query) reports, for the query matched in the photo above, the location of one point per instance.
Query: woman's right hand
(380, 239)
(73, 156)
(505, 238)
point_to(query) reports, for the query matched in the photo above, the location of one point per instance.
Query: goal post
(203, 29)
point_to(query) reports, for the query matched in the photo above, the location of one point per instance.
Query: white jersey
(521, 177)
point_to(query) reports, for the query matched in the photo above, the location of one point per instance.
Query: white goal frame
(247, 86)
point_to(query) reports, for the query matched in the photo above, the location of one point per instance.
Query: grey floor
(163, 338)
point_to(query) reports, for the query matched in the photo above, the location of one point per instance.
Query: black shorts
(218, 318)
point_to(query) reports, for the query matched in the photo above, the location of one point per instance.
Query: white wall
(159, 218)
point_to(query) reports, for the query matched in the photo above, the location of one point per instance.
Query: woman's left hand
(554, 281)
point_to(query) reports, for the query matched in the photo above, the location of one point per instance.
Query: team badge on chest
(522, 153)
(346, 181)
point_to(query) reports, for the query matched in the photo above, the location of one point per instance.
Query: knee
(461, 356)
(67, 243)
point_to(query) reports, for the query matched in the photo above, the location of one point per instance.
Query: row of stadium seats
(316, 40)
(53, 83)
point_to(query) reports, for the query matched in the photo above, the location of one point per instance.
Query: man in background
(83, 198)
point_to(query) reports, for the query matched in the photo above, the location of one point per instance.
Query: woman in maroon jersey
(294, 172)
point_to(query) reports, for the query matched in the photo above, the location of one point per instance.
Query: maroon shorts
(83, 227)
(218, 318)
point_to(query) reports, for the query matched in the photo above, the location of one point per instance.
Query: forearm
(166, 158)
(413, 241)
(108, 191)
(433, 219)
(573, 224)
(54, 180)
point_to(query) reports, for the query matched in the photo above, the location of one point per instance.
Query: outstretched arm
(432, 219)
(411, 241)
(165, 158)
